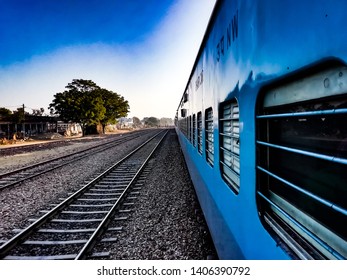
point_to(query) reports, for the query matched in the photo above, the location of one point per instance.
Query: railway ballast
(163, 201)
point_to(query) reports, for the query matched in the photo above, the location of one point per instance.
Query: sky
(143, 50)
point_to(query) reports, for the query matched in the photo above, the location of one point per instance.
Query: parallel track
(17, 176)
(72, 228)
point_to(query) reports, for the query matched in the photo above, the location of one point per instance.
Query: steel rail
(61, 157)
(105, 222)
(21, 236)
(109, 144)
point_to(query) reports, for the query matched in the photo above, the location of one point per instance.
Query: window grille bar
(229, 148)
(306, 153)
(232, 170)
(194, 130)
(307, 193)
(209, 141)
(314, 237)
(200, 145)
(235, 155)
(229, 119)
(199, 132)
(231, 135)
(305, 114)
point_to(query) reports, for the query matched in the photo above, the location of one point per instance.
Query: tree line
(152, 122)
(84, 102)
(16, 116)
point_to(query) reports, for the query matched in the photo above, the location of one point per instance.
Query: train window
(183, 113)
(183, 126)
(209, 136)
(189, 123)
(194, 130)
(185, 97)
(199, 132)
(302, 164)
(229, 137)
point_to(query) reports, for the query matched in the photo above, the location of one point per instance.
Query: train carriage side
(262, 127)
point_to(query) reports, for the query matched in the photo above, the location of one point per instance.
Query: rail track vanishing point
(87, 217)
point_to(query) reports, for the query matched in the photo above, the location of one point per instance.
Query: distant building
(125, 123)
(69, 129)
(30, 126)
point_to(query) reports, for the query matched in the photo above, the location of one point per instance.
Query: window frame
(194, 130)
(229, 143)
(209, 137)
(199, 133)
(303, 218)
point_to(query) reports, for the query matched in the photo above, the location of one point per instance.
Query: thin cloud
(151, 75)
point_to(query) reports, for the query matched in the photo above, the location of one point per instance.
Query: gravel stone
(166, 221)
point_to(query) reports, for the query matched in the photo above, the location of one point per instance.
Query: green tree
(116, 107)
(38, 112)
(165, 122)
(81, 102)
(18, 116)
(137, 122)
(4, 112)
(151, 121)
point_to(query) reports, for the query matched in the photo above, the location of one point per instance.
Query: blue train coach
(263, 127)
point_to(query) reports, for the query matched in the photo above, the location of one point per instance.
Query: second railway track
(72, 228)
(14, 177)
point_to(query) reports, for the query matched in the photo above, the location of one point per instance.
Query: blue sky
(143, 50)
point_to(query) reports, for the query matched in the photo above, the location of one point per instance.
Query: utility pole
(24, 120)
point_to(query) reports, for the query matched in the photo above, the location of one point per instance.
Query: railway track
(17, 176)
(73, 227)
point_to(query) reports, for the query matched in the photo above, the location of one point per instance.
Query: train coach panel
(234, 148)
